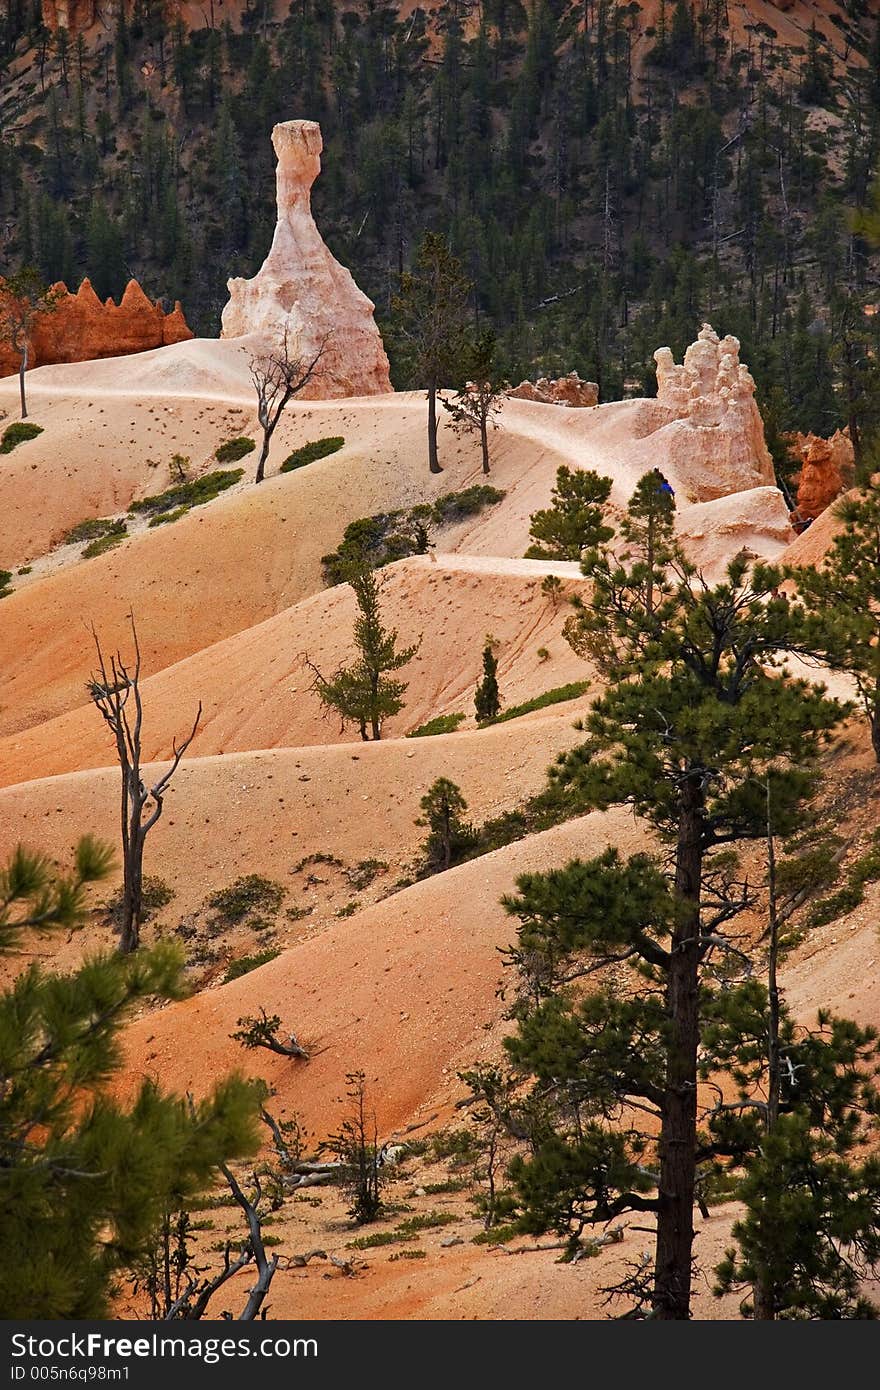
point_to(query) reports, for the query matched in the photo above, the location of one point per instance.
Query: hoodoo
(80, 328)
(302, 288)
(719, 433)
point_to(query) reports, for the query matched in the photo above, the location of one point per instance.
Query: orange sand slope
(256, 688)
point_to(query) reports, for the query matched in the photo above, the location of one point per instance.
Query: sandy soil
(399, 978)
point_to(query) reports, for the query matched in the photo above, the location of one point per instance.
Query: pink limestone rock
(300, 287)
(714, 434)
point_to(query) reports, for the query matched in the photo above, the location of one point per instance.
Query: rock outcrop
(709, 401)
(827, 468)
(81, 328)
(302, 289)
(72, 15)
(565, 390)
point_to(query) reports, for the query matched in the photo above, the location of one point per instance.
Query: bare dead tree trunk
(112, 687)
(277, 378)
(765, 1308)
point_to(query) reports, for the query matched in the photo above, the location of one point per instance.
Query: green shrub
(442, 724)
(248, 894)
(18, 433)
(245, 964)
(550, 697)
(309, 453)
(5, 576)
(116, 531)
(162, 518)
(365, 872)
(194, 494)
(864, 870)
(25, 569)
(234, 449)
(92, 529)
(156, 894)
(455, 506)
(388, 536)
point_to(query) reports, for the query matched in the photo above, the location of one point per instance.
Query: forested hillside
(609, 173)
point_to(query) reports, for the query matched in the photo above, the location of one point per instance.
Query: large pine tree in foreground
(85, 1179)
(695, 717)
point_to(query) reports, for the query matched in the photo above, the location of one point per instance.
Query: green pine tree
(366, 693)
(572, 524)
(430, 315)
(487, 701)
(86, 1178)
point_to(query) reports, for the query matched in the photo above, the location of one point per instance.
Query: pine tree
(487, 701)
(450, 837)
(87, 1178)
(842, 597)
(430, 318)
(477, 402)
(573, 524)
(365, 693)
(693, 716)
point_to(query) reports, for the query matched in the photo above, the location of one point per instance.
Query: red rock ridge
(81, 328)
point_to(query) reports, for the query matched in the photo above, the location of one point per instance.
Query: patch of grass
(497, 1235)
(310, 453)
(234, 449)
(455, 1143)
(439, 1189)
(865, 869)
(92, 529)
(455, 506)
(156, 894)
(245, 964)
(365, 872)
(348, 910)
(377, 1239)
(442, 724)
(194, 494)
(388, 536)
(405, 1230)
(116, 532)
(408, 1255)
(557, 696)
(248, 894)
(318, 858)
(163, 517)
(18, 433)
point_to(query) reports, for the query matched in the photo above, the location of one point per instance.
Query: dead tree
(23, 299)
(263, 1032)
(115, 691)
(277, 378)
(182, 1290)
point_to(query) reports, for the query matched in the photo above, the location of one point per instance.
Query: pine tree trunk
(484, 445)
(433, 464)
(875, 731)
(21, 371)
(678, 1126)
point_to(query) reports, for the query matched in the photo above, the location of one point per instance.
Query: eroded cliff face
(301, 289)
(81, 328)
(72, 15)
(827, 469)
(716, 434)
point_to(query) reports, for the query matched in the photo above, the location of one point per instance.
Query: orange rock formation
(72, 15)
(826, 469)
(81, 328)
(565, 390)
